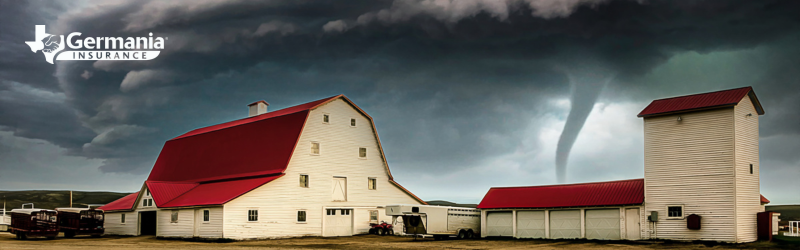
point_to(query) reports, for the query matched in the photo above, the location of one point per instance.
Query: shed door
(339, 189)
(565, 224)
(338, 222)
(499, 224)
(602, 224)
(530, 224)
(632, 224)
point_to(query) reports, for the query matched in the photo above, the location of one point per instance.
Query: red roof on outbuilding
(124, 203)
(718, 99)
(612, 193)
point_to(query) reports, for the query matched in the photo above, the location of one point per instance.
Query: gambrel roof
(216, 164)
(703, 101)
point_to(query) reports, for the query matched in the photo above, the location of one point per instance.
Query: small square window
(122, 218)
(373, 215)
(362, 152)
(304, 180)
(345, 212)
(331, 211)
(206, 215)
(315, 148)
(326, 119)
(372, 183)
(174, 217)
(675, 212)
(252, 215)
(352, 122)
(751, 168)
(301, 216)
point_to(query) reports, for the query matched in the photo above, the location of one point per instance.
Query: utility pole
(70, 198)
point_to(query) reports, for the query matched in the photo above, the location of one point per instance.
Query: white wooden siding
(114, 227)
(211, 228)
(748, 199)
(279, 200)
(184, 228)
(689, 163)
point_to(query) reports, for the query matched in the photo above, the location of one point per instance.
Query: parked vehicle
(34, 222)
(80, 221)
(441, 222)
(381, 229)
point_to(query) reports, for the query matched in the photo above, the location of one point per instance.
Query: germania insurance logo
(95, 48)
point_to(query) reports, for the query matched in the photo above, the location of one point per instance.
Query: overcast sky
(466, 95)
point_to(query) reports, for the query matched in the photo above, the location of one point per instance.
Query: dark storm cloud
(449, 86)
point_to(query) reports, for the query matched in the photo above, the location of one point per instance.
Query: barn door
(339, 189)
(198, 221)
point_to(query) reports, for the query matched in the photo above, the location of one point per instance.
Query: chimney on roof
(257, 108)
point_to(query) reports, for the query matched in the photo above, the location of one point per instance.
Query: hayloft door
(339, 189)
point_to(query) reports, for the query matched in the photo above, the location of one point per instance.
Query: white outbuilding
(701, 181)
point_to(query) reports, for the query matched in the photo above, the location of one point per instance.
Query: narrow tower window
(751, 168)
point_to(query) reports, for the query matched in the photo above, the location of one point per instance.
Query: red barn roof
(215, 164)
(711, 100)
(612, 193)
(124, 203)
(764, 200)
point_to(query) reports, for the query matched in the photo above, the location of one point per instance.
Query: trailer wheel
(69, 234)
(470, 234)
(380, 231)
(462, 235)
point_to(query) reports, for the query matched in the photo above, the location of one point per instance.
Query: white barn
(701, 182)
(315, 169)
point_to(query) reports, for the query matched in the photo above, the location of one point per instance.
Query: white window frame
(173, 217)
(249, 215)
(683, 213)
(365, 153)
(319, 148)
(377, 215)
(305, 216)
(323, 118)
(206, 216)
(353, 122)
(374, 185)
(307, 183)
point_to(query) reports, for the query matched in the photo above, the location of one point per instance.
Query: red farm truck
(80, 221)
(34, 222)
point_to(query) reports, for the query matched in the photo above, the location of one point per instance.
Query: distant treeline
(49, 199)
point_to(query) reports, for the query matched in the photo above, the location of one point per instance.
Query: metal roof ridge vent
(258, 108)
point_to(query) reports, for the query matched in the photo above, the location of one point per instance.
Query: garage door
(565, 224)
(602, 224)
(530, 224)
(338, 222)
(499, 224)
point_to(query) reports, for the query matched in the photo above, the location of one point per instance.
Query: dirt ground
(7, 241)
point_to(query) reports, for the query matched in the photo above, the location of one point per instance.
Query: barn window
(206, 215)
(751, 168)
(304, 180)
(301, 216)
(252, 215)
(675, 212)
(315, 148)
(352, 122)
(371, 183)
(331, 211)
(148, 192)
(345, 212)
(362, 152)
(373, 215)
(122, 219)
(326, 119)
(174, 217)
